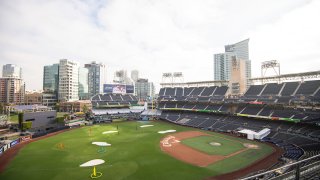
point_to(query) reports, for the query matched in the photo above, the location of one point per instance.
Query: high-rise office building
(121, 77)
(12, 90)
(96, 77)
(83, 83)
(134, 75)
(50, 85)
(237, 82)
(144, 89)
(11, 70)
(68, 80)
(222, 61)
(51, 79)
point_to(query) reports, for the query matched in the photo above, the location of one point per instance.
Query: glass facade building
(144, 90)
(11, 70)
(51, 79)
(96, 78)
(222, 61)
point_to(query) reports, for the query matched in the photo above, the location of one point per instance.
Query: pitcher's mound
(215, 144)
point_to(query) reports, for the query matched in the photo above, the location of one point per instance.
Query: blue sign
(1, 150)
(129, 89)
(15, 142)
(107, 88)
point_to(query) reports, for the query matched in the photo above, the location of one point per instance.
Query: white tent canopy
(149, 125)
(167, 131)
(101, 143)
(255, 135)
(93, 162)
(109, 132)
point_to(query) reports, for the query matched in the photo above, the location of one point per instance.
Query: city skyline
(175, 36)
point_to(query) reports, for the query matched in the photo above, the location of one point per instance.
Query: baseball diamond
(134, 154)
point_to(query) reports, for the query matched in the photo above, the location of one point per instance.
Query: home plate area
(176, 145)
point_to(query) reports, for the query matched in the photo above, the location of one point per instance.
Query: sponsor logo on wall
(15, 142)
(26, 138)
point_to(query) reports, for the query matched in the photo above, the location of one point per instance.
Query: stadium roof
(195, 84)
(285, 77)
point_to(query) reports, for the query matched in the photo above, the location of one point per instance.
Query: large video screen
(118, 88)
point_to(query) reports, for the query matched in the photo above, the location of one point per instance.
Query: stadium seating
(254, 90)
(105, 100)
(289, 88)
(211, 93)
(272, 89)
(308, 87)
(296, 139)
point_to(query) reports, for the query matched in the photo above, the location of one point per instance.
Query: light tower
(172, 78)
(177, 77)
(272, 64)
(167, 78)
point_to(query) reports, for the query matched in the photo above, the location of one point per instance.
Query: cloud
(155, 36)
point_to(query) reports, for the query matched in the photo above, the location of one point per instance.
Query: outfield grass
(202, 143)
(134, 154)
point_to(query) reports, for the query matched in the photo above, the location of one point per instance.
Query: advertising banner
(15, 142)
(26, 138)
(107, 88)
(1, 150)
(129, 89)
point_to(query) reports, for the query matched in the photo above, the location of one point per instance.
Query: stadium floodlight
(166, 74)
(272, 64)
(177, 74)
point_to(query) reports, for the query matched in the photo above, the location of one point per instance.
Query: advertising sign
(15, 142)
(107, 88)
(1, 150)
(129, 89)
(26, 138)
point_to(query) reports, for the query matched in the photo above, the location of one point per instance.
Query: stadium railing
(300, 171)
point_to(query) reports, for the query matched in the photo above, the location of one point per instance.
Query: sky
(156, 36)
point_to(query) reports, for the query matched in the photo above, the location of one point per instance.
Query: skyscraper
(68, 80)
(222, 61)
(134, 75)
(144, 89)
(50, 85)
(51, 79)
(11, 70)
(83, 83)
(12, 90)
(96, 77)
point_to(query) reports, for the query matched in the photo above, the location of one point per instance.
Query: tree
(60, 119)
(85, 108)
(20, 118)
(1, 108)
(57, 107)
(26, 125)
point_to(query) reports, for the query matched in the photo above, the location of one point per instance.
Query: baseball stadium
(192, 131)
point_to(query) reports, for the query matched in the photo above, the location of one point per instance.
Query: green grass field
(134, 154)
(202, 143)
